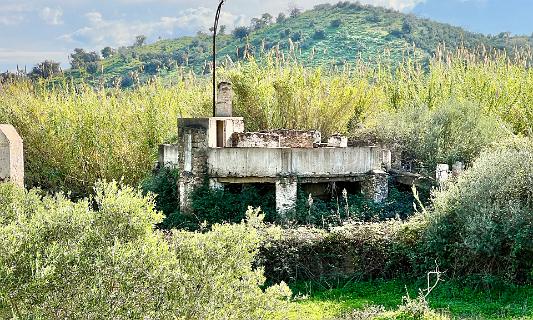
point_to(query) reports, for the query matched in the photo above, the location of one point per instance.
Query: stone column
(286, 195)
(11, 155)
(376, 186)
(192, 164)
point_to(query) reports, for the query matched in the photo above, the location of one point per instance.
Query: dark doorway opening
(220, 134)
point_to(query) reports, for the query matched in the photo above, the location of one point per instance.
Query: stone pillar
(192, 164)
(286, 195)
(376, 186)
(224, 106)
(11, 155)
(168, 156)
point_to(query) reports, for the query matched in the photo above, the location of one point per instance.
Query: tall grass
(75, 134)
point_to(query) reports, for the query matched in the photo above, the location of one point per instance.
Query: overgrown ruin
(217, 150)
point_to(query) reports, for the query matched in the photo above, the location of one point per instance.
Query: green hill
(325, 36)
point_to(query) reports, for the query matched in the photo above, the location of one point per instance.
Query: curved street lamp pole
(215, 27)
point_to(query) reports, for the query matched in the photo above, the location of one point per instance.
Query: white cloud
(102, 32)
(12, 14)
(11, 20)
(52, 16)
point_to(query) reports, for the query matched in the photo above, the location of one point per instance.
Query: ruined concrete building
(219, 151)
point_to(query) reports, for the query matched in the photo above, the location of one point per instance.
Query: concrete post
(224, 106)
(286, 195)
(11, 155)
(376, 186)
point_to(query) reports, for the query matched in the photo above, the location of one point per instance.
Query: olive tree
(102, 258)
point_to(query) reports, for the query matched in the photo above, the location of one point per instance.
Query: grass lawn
(455, 300)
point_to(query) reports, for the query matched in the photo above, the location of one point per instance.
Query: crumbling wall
(298, 139)
(255, 140)
(338, 141)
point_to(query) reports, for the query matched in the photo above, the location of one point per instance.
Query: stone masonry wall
(192, 164)
(255, 140)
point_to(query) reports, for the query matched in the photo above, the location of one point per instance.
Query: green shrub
(102, 259)
(354, 250)
(336, 23)
(483, 223)
(218, 205)
(164, 184)
(453, 131)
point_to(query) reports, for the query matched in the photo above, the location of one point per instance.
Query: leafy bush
(450, 132)
(319, 34)
(241, 32)
(164, 184)
(483, 223)
(103, 259)
(336, 23)
(358, 250)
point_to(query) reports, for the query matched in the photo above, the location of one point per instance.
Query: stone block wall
(255, 140)
(298, 139)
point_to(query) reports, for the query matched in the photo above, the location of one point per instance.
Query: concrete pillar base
(376, 186)
(286, 195)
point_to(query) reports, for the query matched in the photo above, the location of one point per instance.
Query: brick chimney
(224, 106)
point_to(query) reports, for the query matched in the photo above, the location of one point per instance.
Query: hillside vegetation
(328, 36)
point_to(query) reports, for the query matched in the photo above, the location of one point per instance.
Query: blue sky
(34, 30)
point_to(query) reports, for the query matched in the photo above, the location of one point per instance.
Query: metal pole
(215, 27)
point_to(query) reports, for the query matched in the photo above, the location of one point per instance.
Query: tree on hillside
(295, 12)
(282, 18)
(81, 59)
(241, 32)
(263, 21)
(46, 69)
(108, 52)
(140, 40)
(222, 29)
